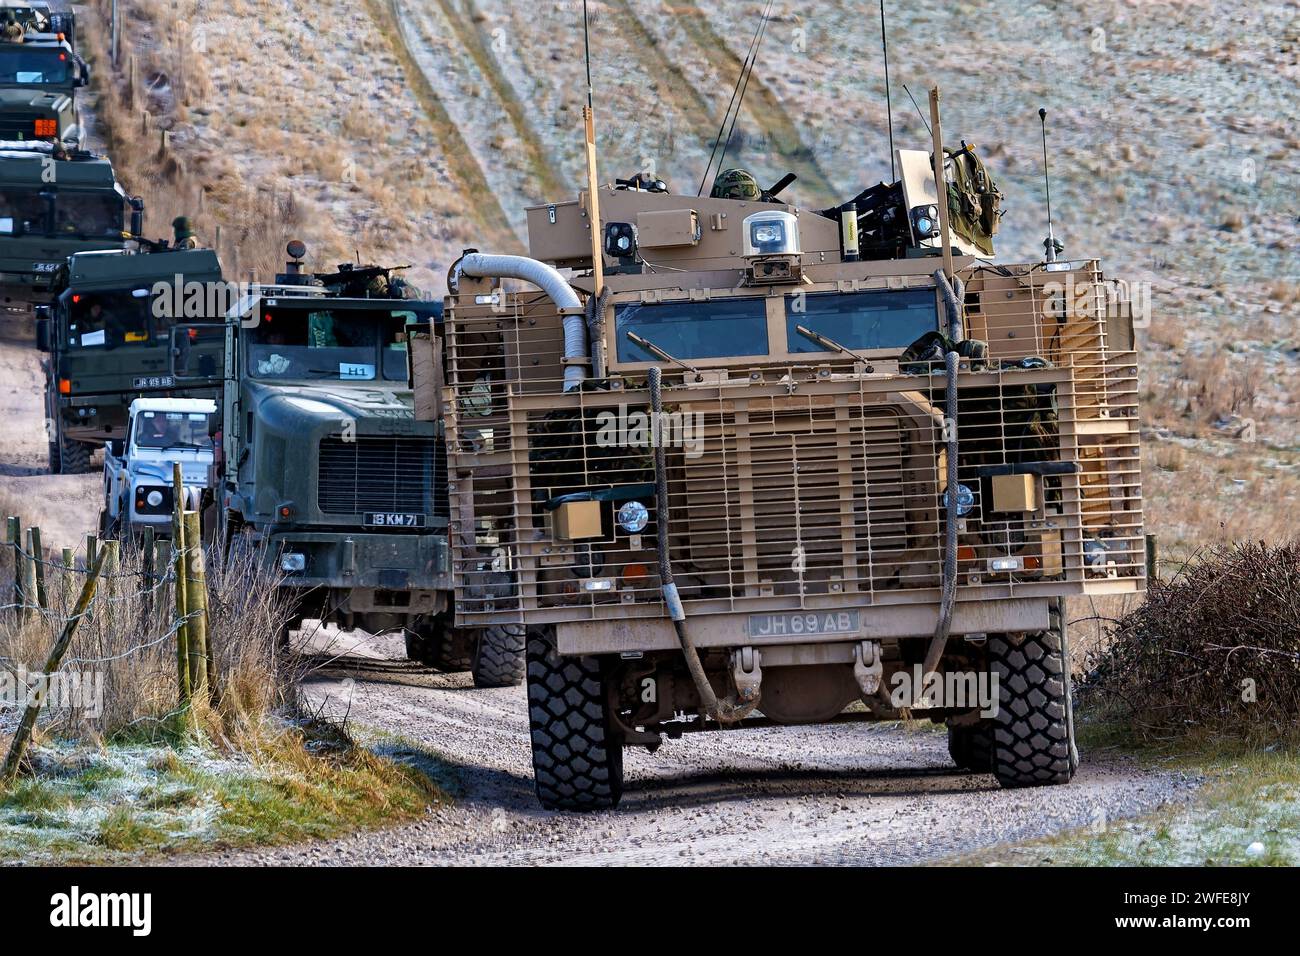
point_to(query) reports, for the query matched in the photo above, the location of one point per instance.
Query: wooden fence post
(38, 567)
(178, 585)
(23, 735)
(196, 604)
(14, 543)
(147, 568)
(1153, 558)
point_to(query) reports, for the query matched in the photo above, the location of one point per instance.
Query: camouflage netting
(1216, 648)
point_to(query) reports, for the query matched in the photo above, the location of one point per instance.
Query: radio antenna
(593, 180)
(889, 109)
(737, 97)
(1050, 246)
(918, 110)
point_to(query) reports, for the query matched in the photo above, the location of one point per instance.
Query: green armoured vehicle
(39, 78)
(50, 209)
(108, 340)
(323, 461)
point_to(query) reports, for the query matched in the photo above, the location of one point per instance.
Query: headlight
(293, 563)
(766, 232)
(633, 517)
(965, 500)
(154, 498)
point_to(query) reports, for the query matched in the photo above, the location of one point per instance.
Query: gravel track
(841, 794)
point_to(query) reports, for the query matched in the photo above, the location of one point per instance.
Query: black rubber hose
(724, 711)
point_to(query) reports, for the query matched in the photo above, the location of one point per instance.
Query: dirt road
(65, 507)
(845, 794)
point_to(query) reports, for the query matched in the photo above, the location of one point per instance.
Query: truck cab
(38, 82)
(108, 338)
(139, 469)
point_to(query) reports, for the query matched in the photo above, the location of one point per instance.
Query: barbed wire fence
(135, 621)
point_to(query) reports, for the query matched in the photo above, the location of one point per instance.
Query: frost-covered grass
(1247, 814)
(122, 800)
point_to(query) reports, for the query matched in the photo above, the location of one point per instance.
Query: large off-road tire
(971, 747)
(1033, 737)
(435, 642)
(577, 761)
(73, 457)
(499, 656)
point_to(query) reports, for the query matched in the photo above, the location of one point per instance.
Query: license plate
(394, 519)
(153, 381)
(45, 267)
(803, 624)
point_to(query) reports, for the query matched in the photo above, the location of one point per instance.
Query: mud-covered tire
(499, 656)
(1033, 738)
(971, 747)
(577, 761)
(73, 456)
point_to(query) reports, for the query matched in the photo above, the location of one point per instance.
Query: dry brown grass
(127, 641)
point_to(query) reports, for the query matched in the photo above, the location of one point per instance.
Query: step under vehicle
(52, 208)
(325, 465)
(750, 463)
(108, 340)
(139, 490)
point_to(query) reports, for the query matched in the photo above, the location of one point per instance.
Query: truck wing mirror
(43, 339)
(183, 364)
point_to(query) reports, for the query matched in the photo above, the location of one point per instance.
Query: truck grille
(372, 473)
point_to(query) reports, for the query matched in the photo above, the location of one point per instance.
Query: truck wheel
(1033, 738)
(971, 748)
(73, 456)
(577, 762)
(499, 656)
(436, 642)
(55, 460)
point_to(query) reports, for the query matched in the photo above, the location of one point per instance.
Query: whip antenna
(889, 109)
(737, 97)
(1050, 246)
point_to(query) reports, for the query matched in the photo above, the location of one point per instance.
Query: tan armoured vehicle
(757, 464)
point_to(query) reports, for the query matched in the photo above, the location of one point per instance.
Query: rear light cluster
(47, 127)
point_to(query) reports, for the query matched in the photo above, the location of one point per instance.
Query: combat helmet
(736, 184)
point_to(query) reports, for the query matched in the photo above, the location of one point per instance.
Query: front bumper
(359, 560)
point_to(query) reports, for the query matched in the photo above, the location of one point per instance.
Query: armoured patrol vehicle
(324, 462)
(751, 463)
(39, 78)
(108, 338)
(51, 208)
(139, 469)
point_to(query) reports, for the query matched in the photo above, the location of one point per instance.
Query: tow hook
(747, 672)
(867, 669)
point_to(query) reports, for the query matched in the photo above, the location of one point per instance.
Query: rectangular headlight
(293, 563)
(1003, 565)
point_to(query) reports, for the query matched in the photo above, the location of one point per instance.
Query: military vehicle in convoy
(324, 463)
(39, 78)
(753, 463)
(139, 487)
(50, 209)
(108, 338)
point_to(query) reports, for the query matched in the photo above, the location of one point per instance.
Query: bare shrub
(1215, 649)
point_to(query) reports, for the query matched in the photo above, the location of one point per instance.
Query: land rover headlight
(772, 233)
(154, 498)
(965, 500)
(633, 517)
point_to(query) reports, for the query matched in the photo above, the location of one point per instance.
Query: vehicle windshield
(344, 345)
(97, 215)
(35, 67)
(192, 430)
(693, 330)
(861, 321)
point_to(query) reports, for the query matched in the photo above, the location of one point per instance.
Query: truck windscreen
(862, 321)
(35, 67)
(693, 330)
(348, 345)
(92, 215)
(173, 430)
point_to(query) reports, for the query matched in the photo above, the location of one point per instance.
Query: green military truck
(39, 78)
(108, 338)
(324, 462)
(50, 209)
